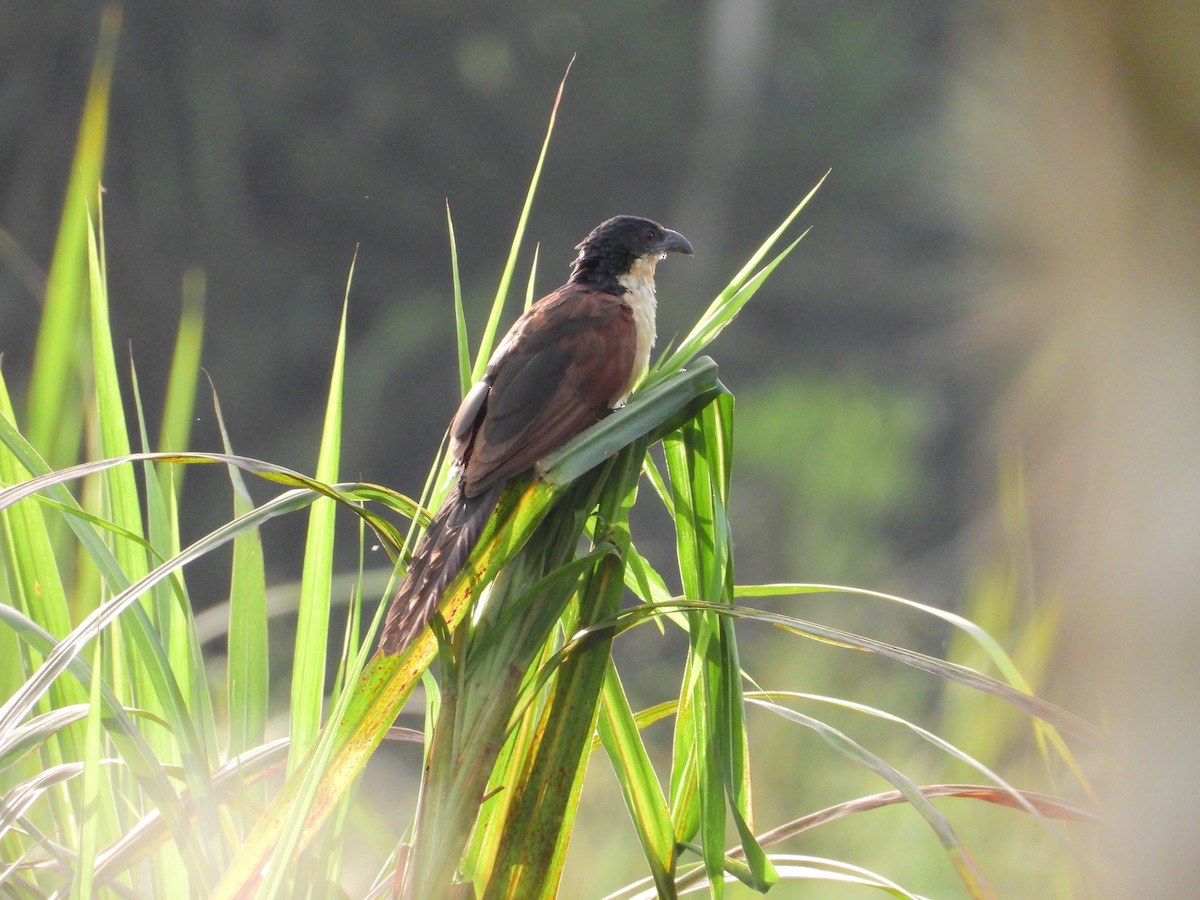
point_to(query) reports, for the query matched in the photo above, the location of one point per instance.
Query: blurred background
(976, 382)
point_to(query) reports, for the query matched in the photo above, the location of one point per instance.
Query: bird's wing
(557, 372)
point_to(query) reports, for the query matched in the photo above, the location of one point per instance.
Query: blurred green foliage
(828, 488)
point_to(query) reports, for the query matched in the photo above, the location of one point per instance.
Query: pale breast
(639, 294)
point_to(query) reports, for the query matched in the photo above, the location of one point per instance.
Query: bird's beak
(674, 242)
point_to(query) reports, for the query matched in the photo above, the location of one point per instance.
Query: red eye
(649, 235)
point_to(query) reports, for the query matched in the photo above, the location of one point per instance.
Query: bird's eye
(649, 235)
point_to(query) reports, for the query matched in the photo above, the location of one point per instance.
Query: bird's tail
(441, 554)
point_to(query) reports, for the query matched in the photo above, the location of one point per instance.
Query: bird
(566, 362)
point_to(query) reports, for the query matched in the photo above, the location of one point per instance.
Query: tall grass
(125, 772)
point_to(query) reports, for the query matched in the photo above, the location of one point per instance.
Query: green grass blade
(93, 778)
(731, 300)
(134, 749)
(709, 788)
(716, 423)
(510, 265)
(684, 787)
(248, 657)
(460, 316)
(952, 672)
(35, 588)
(161, 660)
(172, 609)
(55, 422)
(639, 784)
(768, 700)
(119, 487)
(852, 750)
(312, 627)
(531, 284)
(175, 433)
(695, 543)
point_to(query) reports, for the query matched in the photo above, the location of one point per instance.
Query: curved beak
(674, 242)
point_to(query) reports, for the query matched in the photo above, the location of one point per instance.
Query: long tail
(440, 556)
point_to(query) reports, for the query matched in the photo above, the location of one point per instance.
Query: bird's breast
(639, 294)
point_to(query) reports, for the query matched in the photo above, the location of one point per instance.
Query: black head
(615, 245)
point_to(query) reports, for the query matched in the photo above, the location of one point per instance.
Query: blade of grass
(158, 684)
(735, 295)
(684, 787)
(36, 589)
(510, 265)
(715, 423)
(53, 402)
(248, 656)
(982, 638)
(172, 608)
(639, 784)
(312, 627)
(696, 546)
(133, 747)
(89, 818)
(1053, 807)
(460, 316)
(176, 429)
(958, 674)
(529, 287)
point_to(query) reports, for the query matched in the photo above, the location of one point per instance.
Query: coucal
(566, 362)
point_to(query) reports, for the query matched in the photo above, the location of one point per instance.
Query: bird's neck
(638, 283)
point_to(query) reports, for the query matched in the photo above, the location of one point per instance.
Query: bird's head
(615, 246)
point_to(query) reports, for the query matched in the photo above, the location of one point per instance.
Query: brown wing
(555, 373)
